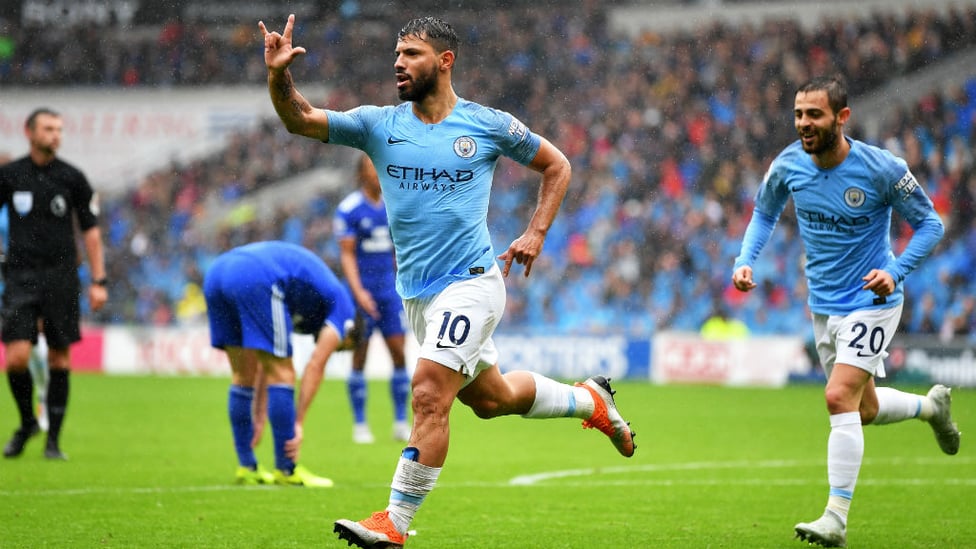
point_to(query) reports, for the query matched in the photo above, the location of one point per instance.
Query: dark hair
(835, 87)
(436, 32)
(32, 118)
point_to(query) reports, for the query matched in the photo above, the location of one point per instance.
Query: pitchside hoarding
(669, 357)
(756, 361)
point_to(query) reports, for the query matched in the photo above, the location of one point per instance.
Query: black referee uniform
(41, 273)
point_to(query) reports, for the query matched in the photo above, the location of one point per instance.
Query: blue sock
(400, 390)
(239, 401)
(356, 385)
(281, 414)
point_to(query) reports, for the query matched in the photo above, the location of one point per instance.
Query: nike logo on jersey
(442, 346)
(393, 141)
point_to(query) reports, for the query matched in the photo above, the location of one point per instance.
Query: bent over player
(257, 295)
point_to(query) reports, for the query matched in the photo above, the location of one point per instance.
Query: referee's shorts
(49, 294)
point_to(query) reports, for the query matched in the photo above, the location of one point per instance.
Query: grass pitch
(152, 466)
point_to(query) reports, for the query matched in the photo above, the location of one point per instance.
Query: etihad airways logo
(832, 221)
(426, 179)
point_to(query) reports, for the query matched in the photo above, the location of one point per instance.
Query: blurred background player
(257, 295)
(40, 375)
(369, 266)
(45, 198)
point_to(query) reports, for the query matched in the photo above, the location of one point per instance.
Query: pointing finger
(507, 257)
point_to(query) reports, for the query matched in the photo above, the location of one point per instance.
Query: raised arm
(294, 110)
(556, 173)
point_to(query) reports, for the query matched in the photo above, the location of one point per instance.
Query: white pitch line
(525, 480)
(601, 476)
(764, 482)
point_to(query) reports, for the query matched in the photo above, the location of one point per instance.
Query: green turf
(152, 463)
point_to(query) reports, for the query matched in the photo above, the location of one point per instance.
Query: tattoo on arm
(284, 88)
(283, 85)
(299, 106)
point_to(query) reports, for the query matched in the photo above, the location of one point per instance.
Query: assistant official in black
(45, 199)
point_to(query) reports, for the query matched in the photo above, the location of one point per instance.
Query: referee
(45, 198)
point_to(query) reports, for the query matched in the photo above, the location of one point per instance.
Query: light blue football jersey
(844, 218)
(436, 181)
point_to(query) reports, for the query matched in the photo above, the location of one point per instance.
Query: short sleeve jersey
(366, 222)
(42, 202)
(436, 181)
(844, 218)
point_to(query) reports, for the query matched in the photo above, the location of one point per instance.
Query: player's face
(416, 68)
(816, 123)
(45, 136)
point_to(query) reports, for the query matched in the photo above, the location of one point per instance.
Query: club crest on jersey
(465, 147)
(854, 197)
(23, 202)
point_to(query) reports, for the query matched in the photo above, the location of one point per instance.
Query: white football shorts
(454, 327)
(860, 339)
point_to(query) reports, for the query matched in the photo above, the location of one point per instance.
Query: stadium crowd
(668, 134)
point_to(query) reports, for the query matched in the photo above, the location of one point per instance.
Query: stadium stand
(669, 132)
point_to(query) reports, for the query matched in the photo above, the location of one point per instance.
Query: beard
(825, 140)
(418, 87)
(49, 148)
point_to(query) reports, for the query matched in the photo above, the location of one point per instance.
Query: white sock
(412, 481)
(554, 399)
(38, 367)
(845, 450)
(927, 409)
(895, 406)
